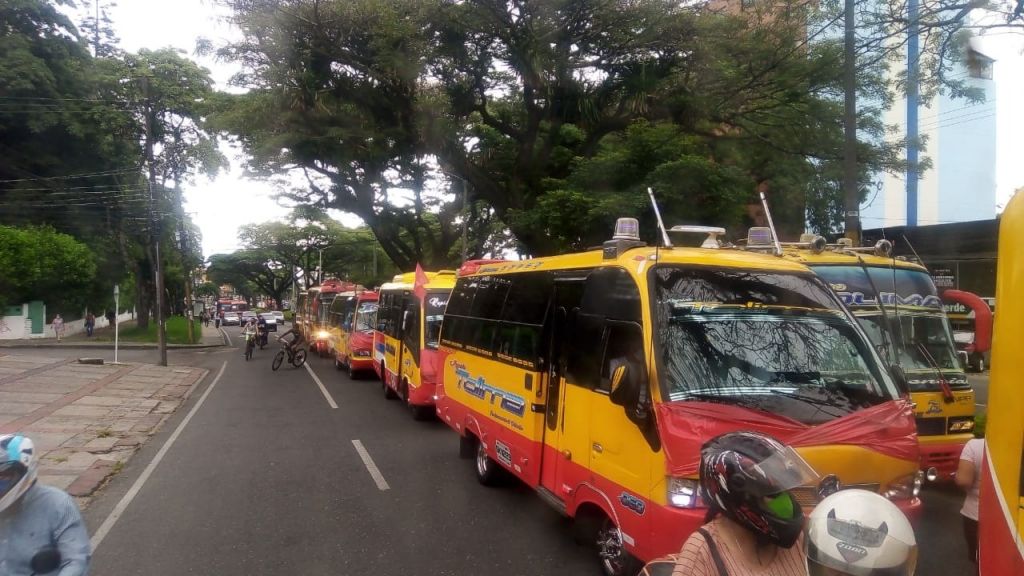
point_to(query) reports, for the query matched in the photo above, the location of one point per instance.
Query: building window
(979, 65)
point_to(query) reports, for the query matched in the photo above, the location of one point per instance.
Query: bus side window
(624, 345)
(586, 344)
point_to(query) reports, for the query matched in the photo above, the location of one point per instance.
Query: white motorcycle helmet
(859, 533)
(18, 463)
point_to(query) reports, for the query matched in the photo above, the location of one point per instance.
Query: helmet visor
(784, 469)
(859, 550)
(10, 474)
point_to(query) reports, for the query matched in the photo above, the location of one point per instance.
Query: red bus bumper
(362, 364)
(944, 457)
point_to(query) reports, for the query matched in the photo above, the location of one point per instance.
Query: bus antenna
(661, 224)
(771, 224)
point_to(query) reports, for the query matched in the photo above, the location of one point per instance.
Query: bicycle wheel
(299, 359)
(278, 359)
(248, 351)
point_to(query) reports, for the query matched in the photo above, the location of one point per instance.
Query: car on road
(247, 315)
(230, 319)
(280, 317)
(271, 320)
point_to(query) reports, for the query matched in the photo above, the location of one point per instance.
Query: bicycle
(250, 345)
(296, 357)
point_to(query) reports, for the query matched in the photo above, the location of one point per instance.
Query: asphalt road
(265, 479)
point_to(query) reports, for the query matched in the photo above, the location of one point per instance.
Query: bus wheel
(337, 363)
(388, 392)
(488, 472)
(352, 374)
(615, 560)
(421, 413)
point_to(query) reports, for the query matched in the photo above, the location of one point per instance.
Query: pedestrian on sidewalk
(58, 327)
(111, 317)
(34, 517)
(90, 324)
(968, 478)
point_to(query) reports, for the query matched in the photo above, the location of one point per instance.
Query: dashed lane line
(382, 484)
(327, 395)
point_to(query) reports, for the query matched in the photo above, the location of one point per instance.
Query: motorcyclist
(859, 533)
(34, 516)
(754, 521)
(261, 330)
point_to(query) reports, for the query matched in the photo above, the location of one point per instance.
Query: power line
(73, 176)
(945, 121)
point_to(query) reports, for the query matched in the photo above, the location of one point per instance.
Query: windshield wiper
(818, 403)
(797, 377)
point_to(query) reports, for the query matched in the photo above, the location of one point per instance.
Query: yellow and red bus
(317, 318)
(1001, 504)
(405, 342)
(596, 377)
(353, 319)
(897, 304)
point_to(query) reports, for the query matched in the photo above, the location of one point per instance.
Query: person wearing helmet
(34, 516)
(859, 533)
(754, 522)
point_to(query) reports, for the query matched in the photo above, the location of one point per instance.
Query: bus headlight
(682, 492)
(906, 487)
(323, 335)
(361, 353)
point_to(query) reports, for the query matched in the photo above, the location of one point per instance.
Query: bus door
(409, 347)
(566, 415)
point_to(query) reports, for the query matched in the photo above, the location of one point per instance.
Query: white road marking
(115, 514)
(382, 484)
(321, 385)
(225, 333)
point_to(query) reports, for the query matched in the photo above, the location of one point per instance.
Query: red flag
(419, 288)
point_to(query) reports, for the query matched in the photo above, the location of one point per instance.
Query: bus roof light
(626, 229)
(759, 237)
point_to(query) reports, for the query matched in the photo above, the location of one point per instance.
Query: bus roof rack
(713, 232)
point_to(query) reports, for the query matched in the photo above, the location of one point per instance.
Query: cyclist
(34, 516)
(859, 533)
(296, 341)
(250, 331)
(754, 522)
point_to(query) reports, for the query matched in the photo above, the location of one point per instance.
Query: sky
(220, 206)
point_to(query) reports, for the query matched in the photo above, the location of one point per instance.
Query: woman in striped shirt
(754, 522)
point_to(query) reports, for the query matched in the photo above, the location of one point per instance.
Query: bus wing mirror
(900, 378)
(624, 390)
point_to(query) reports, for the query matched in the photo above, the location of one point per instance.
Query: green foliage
(177, 332)
(43, 264)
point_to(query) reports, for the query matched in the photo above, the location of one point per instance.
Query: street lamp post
(117, 310)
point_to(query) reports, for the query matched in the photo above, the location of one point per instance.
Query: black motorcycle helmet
(747, 477)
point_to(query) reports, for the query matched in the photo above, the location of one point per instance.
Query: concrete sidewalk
(87, 420)
(103, 339)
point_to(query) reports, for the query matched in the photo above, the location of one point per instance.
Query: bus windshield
(779, 343)
(433, 315)
(366, 317)
(924, 341)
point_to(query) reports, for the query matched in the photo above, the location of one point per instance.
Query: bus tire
(421, 413)
(488, 472)
(615, 560)
(389, 394)
(337, 362)
(352, 374)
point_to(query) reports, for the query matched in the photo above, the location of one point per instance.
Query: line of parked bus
(594, 378)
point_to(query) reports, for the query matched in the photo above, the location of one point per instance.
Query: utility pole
(183, 245)
(851, 200)
(465, 221)
(96, 32)
(913, 69)
(155, 228)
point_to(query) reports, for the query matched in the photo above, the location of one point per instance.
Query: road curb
(104, 346)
